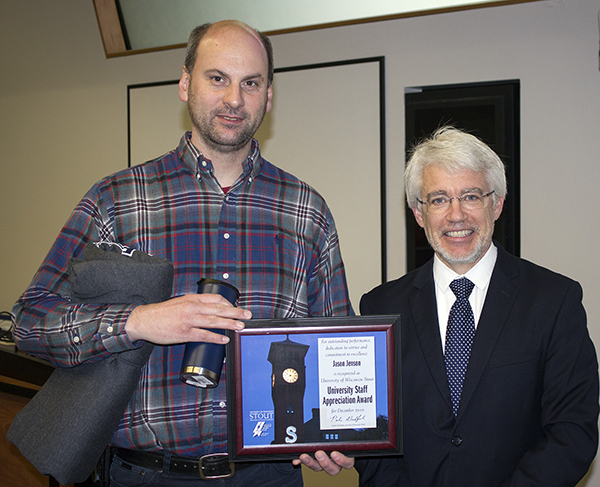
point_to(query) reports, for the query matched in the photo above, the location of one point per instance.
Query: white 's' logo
(292, 436)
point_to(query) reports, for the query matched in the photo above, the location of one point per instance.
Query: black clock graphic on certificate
(288, 383)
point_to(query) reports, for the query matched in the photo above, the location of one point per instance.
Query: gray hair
(453, 150)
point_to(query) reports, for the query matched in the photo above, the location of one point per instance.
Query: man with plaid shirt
(216, 209)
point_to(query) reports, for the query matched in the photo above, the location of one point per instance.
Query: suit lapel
(498, 303)
(425, 319)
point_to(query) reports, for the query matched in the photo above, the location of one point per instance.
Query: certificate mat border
(317, 325)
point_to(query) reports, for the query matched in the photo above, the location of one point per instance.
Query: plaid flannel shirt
(271, 236)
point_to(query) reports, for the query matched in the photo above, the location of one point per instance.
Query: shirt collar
(480, 274)
(199, 165)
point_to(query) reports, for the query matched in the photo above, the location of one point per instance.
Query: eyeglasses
(438, 203)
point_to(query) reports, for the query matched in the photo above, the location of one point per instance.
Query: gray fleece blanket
(67, 425)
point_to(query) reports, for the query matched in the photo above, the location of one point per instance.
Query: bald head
(202, 31)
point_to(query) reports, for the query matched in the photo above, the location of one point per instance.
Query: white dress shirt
(480, 275)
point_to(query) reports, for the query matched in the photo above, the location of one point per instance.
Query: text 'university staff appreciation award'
(347, 383)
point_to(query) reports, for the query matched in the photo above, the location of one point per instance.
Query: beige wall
(63, 117)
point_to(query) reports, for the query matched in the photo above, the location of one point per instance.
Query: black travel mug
(202, 362)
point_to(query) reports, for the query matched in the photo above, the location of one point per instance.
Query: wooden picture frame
(301, 385)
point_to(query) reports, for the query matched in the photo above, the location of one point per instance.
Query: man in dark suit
(511, 401)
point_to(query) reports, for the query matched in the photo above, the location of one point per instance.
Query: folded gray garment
(65, 428)
(113, 274)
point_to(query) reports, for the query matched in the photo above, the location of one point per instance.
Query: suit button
(457, 440)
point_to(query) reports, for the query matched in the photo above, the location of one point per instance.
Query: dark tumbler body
(202, 362)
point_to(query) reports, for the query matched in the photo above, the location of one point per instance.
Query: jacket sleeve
(377, 472)
(569, 408)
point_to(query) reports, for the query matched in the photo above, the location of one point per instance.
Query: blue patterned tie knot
(462, 288)
(459, 338)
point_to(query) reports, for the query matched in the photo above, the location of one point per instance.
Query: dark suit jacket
(529, 408)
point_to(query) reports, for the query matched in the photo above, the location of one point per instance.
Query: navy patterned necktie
(459, 338)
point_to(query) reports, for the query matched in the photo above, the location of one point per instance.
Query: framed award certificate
(301, 385)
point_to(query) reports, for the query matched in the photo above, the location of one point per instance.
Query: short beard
(213, 138)
(471, 258)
